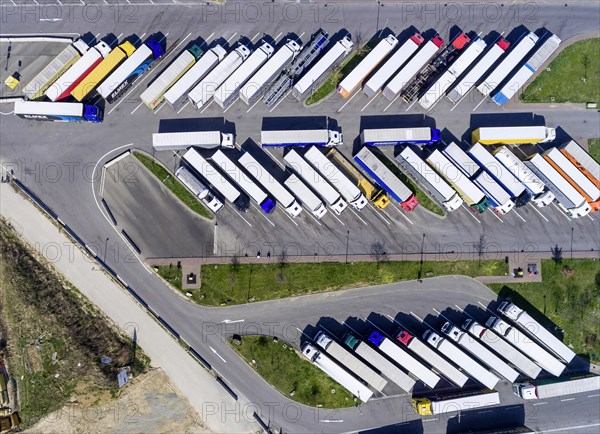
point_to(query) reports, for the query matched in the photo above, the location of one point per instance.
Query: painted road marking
(217, 354)
(348, 102)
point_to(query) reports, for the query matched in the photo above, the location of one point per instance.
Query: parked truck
(470, 193)
(510, 135)
(526, 345)
(459, 357)
(404, 359)
(567, 197)
(347, 359)
(536, 330)
(324, 135)
(374, 85)
(371, 191)
(315, 181)
(183, 140)
(230, 89)
(117, 83)
(353, 80)
(462, 400)
(428, 179)
(580, 158)
(509, 63)
(379, 362)
(386, 179)
(198, 189)
(177, 94)
(306, 196)
(317, 73)
(336, 372)
(57, 67)
(440, 364)
(154, 94)
(480, 352)
(202, 93)
(340, 182)
(553, 387)
(62, 87)
(503, 348)
(399, 136)
(273, 186)
(478, 71)
(216, 180)
(58, 111)
(517, 80)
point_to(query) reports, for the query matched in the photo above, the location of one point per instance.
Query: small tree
(480, 248)
(234, 268)
(378, 253)
(282, 259)
(556, 255)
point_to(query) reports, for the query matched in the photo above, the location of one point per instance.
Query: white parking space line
(591, 218)
(209, 37)
(561, 211)
(496, 215)
(135, 109)
(539, 403)
(348, 102)
(538, 211)
(231, 105)
(279, 163)
(206, 106)
(255, 36)
(143, 34)
(370, 101)
(390, 104)
(459, 101)
(567, 399)
(521, 151)
(231, 37)
(380, 214)
(242, 217)
(280, 101)
(156, 110)
(477, 106)
(410, 106)
(471, 213)
(184, 106)
(121, 34)
(402, 214)
(253, 105)
(519, 215)
(260, 211)
(593, 396)
(290, 217)
(359, 217)
(277, 37)
(336, 217)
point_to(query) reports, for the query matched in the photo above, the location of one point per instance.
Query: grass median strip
(594, 148)
(169, 180)
(291, 374)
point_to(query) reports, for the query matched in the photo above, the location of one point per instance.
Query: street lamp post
(105, 248)
(347, 242)
(571, 243)
(422, 250)
(249, 283)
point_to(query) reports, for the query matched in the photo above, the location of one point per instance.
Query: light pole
(249, 283)
(571, 243)
(347, 242)
(105, 248)
(422, 249)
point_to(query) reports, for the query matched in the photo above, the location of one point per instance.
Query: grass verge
(569, 296)
(289, 372)
(594, 148)
(572, 76)
(178, 189)
(239, 283)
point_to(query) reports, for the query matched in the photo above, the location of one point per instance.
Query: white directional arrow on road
(230, 321)
(218, 355)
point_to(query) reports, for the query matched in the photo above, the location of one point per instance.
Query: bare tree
(282, 259)
(480, 247)
(234, 267)
(556, 255)
(378, 253)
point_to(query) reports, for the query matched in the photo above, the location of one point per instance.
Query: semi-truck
(325, 135)
(340, 182)
(580, 158)
(308, 199)
(177, 94)
(216, 180)
(350, 361)
(58, 66)
(353, 80)
(399, 136)
(125, 75)
(410, 69)
(456, 69)
(567, 197)
(230, 89)
(440, 364)
(462, 400)
(535, 329)
(459, 357)
(374, 85)
(108, 65)
(517, 80)
(553, 387)
(154, 94)
(316, 74)
(202, 93)
(478, 71)
(199, 190)
(380, 362)
(428, 179)
(338, 373)
(461, 160)
(512, 135)
(58, 111)
(480, 352)
(386, 179)
(470, 193)
(272, 185)
(62, 87)
(371, 191)
(540, 195)
(404, 359)
(526, 345)
(185, 139)
(323, 188)
(510, 62)
(264, 77)
(503, 348)
(256, 193)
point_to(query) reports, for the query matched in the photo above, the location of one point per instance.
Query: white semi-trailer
(428, 179)
(199, 190)
(323, 136)
(513, 135)
(306, 196)
(463, 400)
(301, 167)
(553, 387)
(480, 352)
(578, 156)
(273, 186)
(335, 371)
(340, 182)
(461, 160)
(500, 346)
(183, 140)
(527, 345)
(400, 136)
(459, 357)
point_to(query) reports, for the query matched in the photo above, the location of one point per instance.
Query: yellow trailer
(108, 65)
